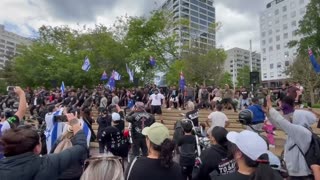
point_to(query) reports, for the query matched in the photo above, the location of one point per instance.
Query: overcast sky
(239, 18)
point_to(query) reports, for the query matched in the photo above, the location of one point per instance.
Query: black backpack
(312, 156)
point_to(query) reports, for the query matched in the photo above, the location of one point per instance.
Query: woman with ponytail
(250, 152)
(158, 165)
(215, 161)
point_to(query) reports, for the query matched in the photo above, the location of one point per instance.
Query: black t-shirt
(151, 169)
(215, 161)
(116, 143)
(232, 176)
(188, 146)
(204, 95)
(139, 121)
(193, 115)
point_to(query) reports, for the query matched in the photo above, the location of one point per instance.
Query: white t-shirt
(5, 126)
(218, 119)
(156, 99)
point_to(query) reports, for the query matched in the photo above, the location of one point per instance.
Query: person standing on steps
(156, 100)
(139, 120)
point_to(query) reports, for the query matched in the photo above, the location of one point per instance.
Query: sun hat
(115, 116)
(156, 133)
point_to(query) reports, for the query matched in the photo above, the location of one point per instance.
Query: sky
(239, 18)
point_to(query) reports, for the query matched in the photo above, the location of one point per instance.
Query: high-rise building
(278, 25)
(201, 16)
(237, 58)
(9, 44)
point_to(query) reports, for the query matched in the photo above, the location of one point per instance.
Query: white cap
(115, 116)
(249, 143)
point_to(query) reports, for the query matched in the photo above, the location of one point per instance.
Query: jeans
(187, 172)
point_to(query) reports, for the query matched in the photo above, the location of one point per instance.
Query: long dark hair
(220, 135)
(263, 169)
(166, 152)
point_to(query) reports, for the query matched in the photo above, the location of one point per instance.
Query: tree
(226, 79)
(302, 71)
(204, 67)
(243, 77)
(309, 29)
(173, 74)
(147, 37)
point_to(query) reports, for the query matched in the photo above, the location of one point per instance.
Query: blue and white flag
(130, 72)
(86, 64)
(314, 62)
(104, 76)
(62, 88)
(116, 75)
(55, 132)
(111, 83)
(85, 129)
(152, 61)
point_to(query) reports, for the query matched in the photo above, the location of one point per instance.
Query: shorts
(217, 99)
(156, 110)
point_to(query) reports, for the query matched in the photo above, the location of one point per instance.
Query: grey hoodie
(299, 135)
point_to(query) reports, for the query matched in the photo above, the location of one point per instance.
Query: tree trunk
(204, 82)
(311, 91)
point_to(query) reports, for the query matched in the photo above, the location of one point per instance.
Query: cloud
(239, 18)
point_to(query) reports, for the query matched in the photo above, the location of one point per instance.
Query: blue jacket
(258, 114)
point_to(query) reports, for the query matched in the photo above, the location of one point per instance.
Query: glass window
(203, 17)
(278, 47)
(203, 22)
(211, 14)
(193, 19)
(210, 8)
(194, 2)
(270, 32)
(203, 11)
(286, 63)
(284, 8)
(278, 38)
(202, 5)
(263, 42)
(285, 26)
(301, 1)
(302, 11)
(293, 14)
(294, 33)
(285, 35)
(270, 40)
(210, 19)
(194, 13)
(270, 48)
(294, 23)
(293, 4)
(271, 74)
(279, 65)
(264, 50)
(2, 40)
(264, 75)
(263, 34)
(276, 12)
(285, 17)
(193, 7)
(277, 30)
(277, 21)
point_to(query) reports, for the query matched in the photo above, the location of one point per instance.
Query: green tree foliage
(301, 70)
(204, 67)
(173, 74)
(309, 29)
(58, 54)
(243, 77)
(226, 79)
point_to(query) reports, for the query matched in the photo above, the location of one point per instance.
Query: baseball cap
(115, 116)
(156, 133)
(249, 143)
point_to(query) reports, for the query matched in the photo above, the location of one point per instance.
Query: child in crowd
(269, 128)
(187, 145)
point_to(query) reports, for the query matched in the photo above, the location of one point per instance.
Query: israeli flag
(130, 72)
(62, 88)
(116, 75)
(85, 129)
(54, 130)
(86, 64)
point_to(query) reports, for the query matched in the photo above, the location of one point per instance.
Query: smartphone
(61, 118)
(10, 88)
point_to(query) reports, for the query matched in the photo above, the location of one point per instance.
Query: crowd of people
(57, 147)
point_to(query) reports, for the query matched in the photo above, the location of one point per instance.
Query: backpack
(312, 156)
(178, 131)
(65, 143)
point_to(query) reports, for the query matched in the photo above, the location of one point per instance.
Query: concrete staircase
(171, 116)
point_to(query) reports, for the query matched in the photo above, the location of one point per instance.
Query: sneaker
(169, 108)
(179, 109)
(272, 146)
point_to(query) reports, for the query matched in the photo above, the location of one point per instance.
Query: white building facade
(278, 25)
(9, 44)
(237, 58)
